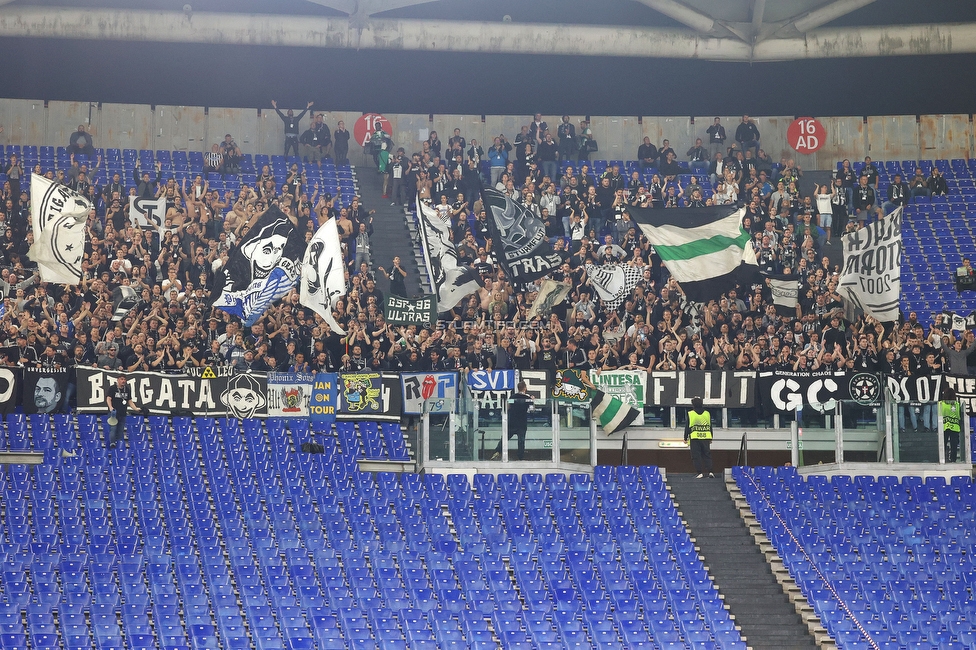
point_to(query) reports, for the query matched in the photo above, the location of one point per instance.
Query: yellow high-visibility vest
(700, 425)
(950, 415)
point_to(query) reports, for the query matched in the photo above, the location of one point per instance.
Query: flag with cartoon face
(58, 217)
(245, 397)
(262, 268)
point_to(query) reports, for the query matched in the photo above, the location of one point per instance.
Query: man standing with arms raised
(291, 126)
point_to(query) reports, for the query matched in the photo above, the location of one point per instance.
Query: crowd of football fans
(173, 327)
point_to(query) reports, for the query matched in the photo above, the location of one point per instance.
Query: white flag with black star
(58, 217)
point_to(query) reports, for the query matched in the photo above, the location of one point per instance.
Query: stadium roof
(720, 30)
(610, 57)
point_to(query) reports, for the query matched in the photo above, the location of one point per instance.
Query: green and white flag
(550, 294)
(612, 412)
(629, 386)
(705, 249)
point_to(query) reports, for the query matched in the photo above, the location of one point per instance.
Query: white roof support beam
(470, 36)
(827, 13)
(363, 8)
(899, 40)
(758, 9)
(345, 6)
(683, 14)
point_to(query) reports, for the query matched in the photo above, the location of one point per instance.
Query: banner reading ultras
(406, 311)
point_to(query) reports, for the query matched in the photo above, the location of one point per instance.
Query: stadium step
(390, 235)
(763, 612)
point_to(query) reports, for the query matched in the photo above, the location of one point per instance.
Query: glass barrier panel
(915, 438)
(466, 436)
(536, 443)
(864, 432)
(574, 433)
(440, 436)
(487, 408)
(816, 436)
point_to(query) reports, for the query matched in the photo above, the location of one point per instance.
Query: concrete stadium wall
(195, 128)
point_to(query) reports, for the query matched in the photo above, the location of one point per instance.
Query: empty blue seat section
(882, 561)
(221, 533)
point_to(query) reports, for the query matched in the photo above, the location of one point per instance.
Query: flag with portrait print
(262, 268)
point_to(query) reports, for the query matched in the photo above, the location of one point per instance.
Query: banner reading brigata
(240, 396)
(872, 267)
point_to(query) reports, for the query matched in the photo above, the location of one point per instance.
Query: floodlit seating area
(216, 533)
(886, 563)
(936, 233)
(183, 165)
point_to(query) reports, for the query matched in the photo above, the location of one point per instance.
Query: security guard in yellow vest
(951, 421)
(698, 429)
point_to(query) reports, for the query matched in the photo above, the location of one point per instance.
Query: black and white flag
(959, 322)
(786, 291)
(519, 239)
(613, 282)
(58, 217)
(261, 268)
(323, 274)
(147, 213)
(871, 279)
(452, 282)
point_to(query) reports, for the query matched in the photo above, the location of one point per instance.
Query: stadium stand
(214, 533)
(885, 562)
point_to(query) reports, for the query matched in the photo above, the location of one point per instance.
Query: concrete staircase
(767, 616)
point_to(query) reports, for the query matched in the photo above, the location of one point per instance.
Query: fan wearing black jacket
(291, 126)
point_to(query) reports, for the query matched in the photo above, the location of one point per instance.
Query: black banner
(391, 404)
(421, 312)
(240, 396)
(9, 389)
(519, 239)
(44, 390)
(965, 387)
(729, 389)
(918, 390)
(782, 391)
